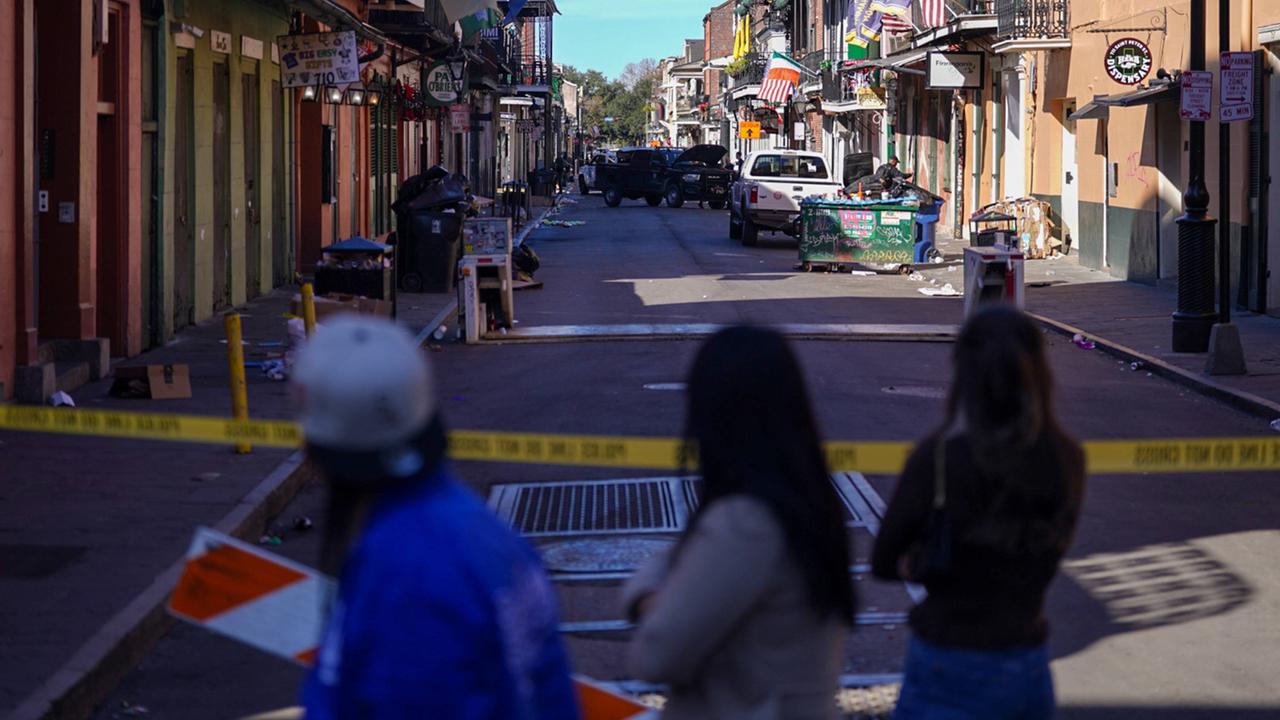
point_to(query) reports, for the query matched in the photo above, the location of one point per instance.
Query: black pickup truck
(695, 175)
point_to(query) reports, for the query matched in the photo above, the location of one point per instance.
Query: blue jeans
(944, 683)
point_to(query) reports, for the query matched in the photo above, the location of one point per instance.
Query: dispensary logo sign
(1128, 61)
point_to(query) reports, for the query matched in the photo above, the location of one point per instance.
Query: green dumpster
(881, 232)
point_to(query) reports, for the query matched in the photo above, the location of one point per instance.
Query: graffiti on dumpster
(844, 235)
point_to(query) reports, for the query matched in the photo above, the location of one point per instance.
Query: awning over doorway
(1099, 108)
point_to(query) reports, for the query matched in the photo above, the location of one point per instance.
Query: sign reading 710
(319, 59)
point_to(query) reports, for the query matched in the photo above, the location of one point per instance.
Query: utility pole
(1193, 320)
(1226, 354)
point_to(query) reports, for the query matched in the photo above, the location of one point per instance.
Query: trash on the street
(1275, 424)
(1135, 366)
(302, 523)
(915, 277)
(206, 477)
(157, 382)
(440, 331)
(945, 291)
(275, 370)
(128, 710)
(1082, 342)
(61, 399)
(270, 540)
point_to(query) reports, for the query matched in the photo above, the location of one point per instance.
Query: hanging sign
(319, 59)
(1235, 87)
(1128, 61)
(1197, 96)
(953, 70)
(460, 117)
(440, 88)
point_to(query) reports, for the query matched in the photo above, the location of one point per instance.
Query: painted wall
(17, 122)
(239, 18)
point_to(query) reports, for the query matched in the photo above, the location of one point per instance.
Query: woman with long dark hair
(982, 515)
(747, 617)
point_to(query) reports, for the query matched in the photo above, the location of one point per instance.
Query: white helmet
(366, 395)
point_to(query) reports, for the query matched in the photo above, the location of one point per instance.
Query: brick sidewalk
(1135, 316)
(90, 523)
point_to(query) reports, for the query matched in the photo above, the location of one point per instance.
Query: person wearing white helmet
(441, 611)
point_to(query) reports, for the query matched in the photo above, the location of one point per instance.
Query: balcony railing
(753, 74)
(1026, 19)
(529, 70)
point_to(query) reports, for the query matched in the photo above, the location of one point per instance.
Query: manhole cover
(613, 555)
(922, 391)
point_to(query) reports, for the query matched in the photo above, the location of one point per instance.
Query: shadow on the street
(1159, 585)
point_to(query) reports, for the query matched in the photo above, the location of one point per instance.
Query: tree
(638, 72)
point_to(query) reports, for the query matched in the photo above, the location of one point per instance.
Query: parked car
(638, 173)
(768, 193)
(587, 173)
(698, 175)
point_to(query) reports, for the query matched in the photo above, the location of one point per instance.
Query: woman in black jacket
(982, 516)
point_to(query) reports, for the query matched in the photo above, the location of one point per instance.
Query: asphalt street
(1168, 604)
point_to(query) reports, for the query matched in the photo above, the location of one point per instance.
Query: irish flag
(781, 77)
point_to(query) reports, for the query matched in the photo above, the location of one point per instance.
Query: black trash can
(428, 247)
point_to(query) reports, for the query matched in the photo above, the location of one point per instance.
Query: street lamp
(310, 93)
(355, 95)
(333, 95)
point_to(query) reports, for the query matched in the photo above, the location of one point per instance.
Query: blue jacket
(442, 612)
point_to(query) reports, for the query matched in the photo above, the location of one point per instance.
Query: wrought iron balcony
(1032, 24)
(529, 70)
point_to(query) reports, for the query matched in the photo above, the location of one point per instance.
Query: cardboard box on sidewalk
(327, 305)
(158, 382)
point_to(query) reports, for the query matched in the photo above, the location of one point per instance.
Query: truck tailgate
(786, 194)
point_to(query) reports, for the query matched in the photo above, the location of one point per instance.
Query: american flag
(780, 79)
(895, 24)
(933, 13)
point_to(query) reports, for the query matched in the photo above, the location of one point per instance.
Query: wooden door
(221, 187)
(279, 236)
(252, 209)
(184, 269)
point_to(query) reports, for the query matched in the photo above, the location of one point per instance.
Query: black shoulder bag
(930, 558)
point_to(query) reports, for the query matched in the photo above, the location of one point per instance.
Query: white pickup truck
(767, 195)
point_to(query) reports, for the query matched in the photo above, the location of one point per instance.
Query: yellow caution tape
(879, 458)
(151, 426)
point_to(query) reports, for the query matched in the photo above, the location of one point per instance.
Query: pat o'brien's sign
(1128, 61)
(440, 87)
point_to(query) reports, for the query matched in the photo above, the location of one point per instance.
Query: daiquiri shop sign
(439, 86)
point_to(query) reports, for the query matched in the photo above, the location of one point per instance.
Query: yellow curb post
(235, 366)
(308, 308)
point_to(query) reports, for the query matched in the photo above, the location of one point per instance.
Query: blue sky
(605, 35)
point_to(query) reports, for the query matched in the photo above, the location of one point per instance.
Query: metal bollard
(235, 366)
(308, 308)
(1194, 318)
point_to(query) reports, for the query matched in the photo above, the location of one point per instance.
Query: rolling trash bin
(429, 212)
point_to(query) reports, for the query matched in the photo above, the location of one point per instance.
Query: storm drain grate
(592, 507)
(633, 505)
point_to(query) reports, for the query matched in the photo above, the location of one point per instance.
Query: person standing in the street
(747, 616)
(562, 172)
(982, 515)
(737, 162)
(441, 611)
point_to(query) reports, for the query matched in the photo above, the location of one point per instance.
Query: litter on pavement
(1082, 342)
(944, 291)
(61, 399)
